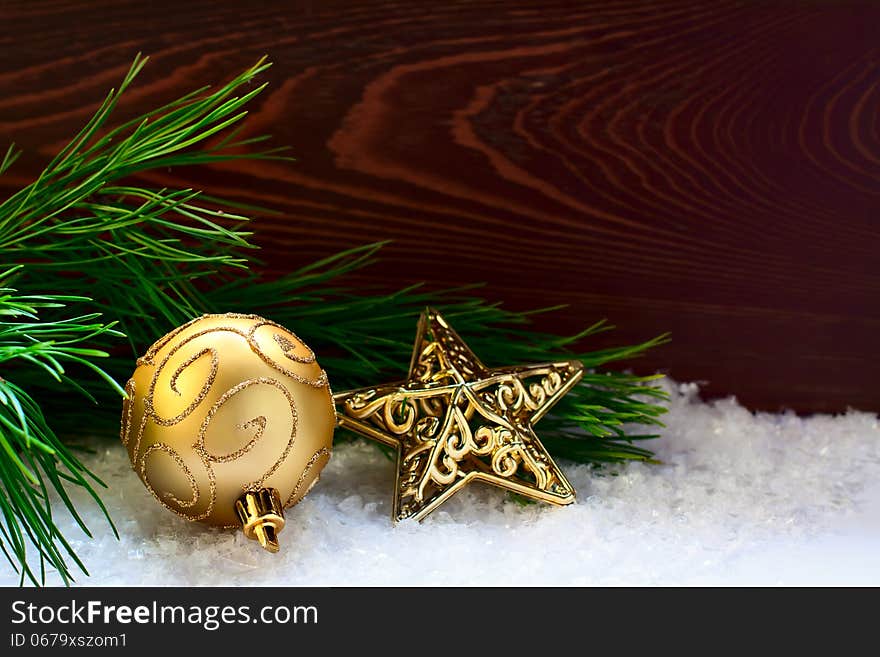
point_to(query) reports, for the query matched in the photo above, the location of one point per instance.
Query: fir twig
(138, 251)
(153, 258)
(33, 459)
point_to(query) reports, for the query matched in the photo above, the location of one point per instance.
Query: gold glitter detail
(324, 451)
(285, 340)
(199, 445)
(212, 488)
(315, 383)
(260, 422)
(206, 387)
(127, 403)
(287, 346)
(320, 382)
(189, 361)
(289, 446)
(167, 449)
(140, 433)
(147, 358)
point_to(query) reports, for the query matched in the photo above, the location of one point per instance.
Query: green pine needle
(151, 259)
(30, 452)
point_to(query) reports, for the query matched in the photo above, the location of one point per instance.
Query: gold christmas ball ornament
(229, 420)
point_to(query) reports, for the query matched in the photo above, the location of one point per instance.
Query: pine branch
(366, 337)
(32, 458)
(138, 251)
(153, 258)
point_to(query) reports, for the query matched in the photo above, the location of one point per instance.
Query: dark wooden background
(706, 168)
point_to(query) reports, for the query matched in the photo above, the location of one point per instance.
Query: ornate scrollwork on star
(453, 420)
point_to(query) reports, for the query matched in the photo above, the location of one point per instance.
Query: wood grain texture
(706, 168)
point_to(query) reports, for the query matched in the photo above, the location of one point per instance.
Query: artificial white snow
(740, 498)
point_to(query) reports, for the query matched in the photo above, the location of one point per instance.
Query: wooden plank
(709, 168)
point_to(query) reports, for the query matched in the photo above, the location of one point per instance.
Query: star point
(453, 421)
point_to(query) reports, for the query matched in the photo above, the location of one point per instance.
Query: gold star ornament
(454, 420)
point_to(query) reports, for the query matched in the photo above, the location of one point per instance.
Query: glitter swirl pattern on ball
(223, 405)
